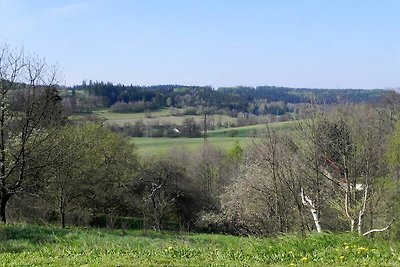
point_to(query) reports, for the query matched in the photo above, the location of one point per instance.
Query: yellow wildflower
(304, 259)
(362, 249)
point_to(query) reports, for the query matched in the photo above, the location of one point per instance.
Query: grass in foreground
(28, 245)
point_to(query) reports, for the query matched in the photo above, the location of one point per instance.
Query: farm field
(218, 138)
(160, 145)
(223, 139)
(30, 245)
(157, 117)
(251, 130)
(109, 115)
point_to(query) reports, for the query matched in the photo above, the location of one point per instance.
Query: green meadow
(253, 130)
(160, 145)
(224, 138)
(109, 115)
(220, 139)
(31, 245)
(161, 116)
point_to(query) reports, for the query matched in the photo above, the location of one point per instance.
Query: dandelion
(362, 249)
(304, 259)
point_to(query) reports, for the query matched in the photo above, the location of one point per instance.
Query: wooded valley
(332, 167)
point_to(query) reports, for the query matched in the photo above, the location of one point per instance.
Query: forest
(254, 100)
(336, 170)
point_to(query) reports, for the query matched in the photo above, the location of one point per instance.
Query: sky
(298, 43)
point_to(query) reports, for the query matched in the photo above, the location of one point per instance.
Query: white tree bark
(378, 230)
(362, 211)
(310, 205)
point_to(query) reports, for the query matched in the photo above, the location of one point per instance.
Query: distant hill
(255, 100)
(305, 95)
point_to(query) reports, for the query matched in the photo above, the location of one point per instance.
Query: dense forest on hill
(256, 100)
(305, 95)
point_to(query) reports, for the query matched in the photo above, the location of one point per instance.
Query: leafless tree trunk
(26, 106)
(310, 205)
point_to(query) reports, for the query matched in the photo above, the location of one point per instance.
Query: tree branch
(378, 230)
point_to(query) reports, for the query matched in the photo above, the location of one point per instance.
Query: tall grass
(28, 245)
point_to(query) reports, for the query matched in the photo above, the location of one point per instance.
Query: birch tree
(352, 144)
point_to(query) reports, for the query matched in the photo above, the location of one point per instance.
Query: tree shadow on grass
(31, 234)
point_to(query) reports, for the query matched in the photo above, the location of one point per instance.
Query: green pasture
(34, 246)
(253, 130)
(223, 139)
(161, 145)
(177, 120)
(162, 116)
(109, 115)
(218, 138)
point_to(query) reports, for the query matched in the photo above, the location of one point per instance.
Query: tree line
(259, 100)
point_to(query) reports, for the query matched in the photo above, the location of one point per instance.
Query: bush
(123, 107)
(190, 111)
(102, 221)
(232, 133)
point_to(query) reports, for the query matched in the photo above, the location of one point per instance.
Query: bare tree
(264, 199)
(349, 147)
(29, 111)
(159, 186)
(207, 173)
(313, 184)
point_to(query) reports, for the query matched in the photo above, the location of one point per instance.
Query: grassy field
(223, 139)
(160, 116)
(108, 115)
(251, 130)
(29, 245)
(160, 145)
(218, 138)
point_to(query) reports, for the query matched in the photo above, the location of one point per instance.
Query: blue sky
(325, 44)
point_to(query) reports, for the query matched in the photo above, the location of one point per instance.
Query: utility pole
(205, 128)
